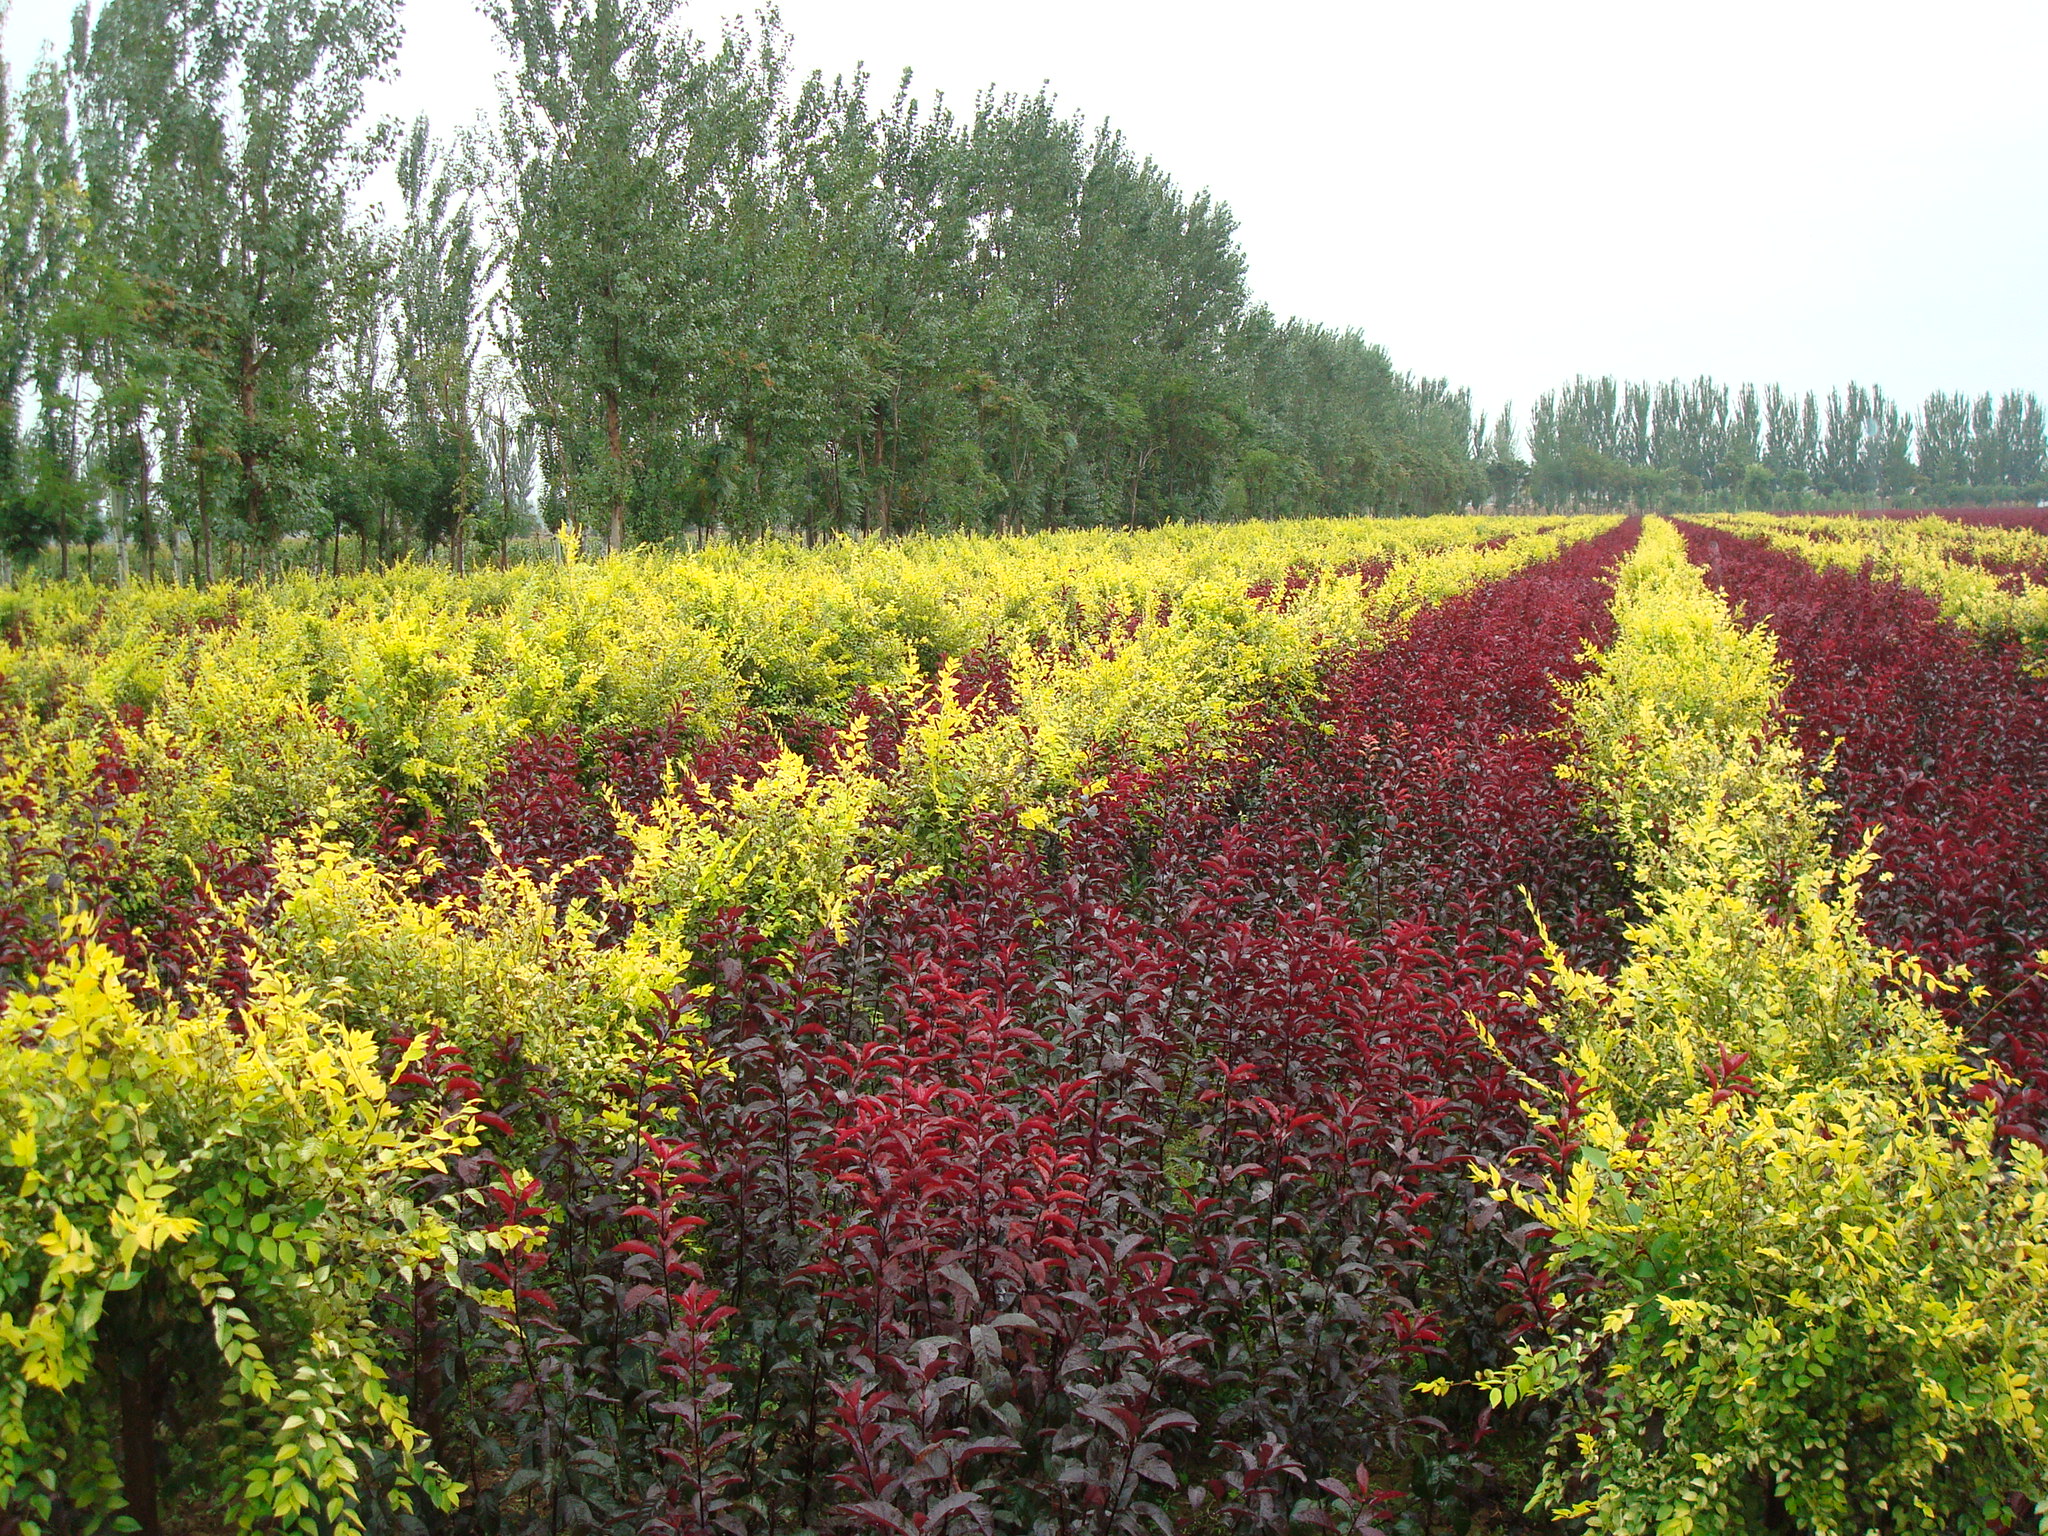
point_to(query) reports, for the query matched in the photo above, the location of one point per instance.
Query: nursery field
(1381, 1026)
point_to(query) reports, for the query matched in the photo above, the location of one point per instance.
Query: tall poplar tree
(620, 138)
(41, 227)
(440, 281)
(223, 144)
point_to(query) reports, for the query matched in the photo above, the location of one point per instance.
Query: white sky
(1509, 192)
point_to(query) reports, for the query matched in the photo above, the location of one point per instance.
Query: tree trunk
(612, 437)
(135, 1387)
(252, 481)
(754, 483)
(1137, 479)
(504, 485)
(145, 515)
(205, 552)
(465, 486)
(882, 486)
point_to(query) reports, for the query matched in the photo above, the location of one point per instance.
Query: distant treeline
(671, 292)
(1679, 444)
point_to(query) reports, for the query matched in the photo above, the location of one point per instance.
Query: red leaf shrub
(1941, 740)
(1117, 1173)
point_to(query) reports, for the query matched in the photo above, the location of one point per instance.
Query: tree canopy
(674, 292)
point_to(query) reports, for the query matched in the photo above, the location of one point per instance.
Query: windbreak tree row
(1702, 443)
(671, 292)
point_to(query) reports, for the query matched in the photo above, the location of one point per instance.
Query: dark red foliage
(1120, 1180)
(1941, 741)
(1121, 1174)
(199, 941)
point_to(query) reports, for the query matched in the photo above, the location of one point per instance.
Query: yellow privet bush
(1826, 1313)
(1931, 553)
(1819, 1301)
(204, 1209)
(1749, 940)
(514, 964)
(786, 625)
(1973, 543)
(236, 752)
(788, 848)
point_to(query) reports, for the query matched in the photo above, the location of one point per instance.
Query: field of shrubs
(1390, 1026)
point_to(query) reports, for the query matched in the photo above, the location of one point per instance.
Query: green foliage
(1817, 1265)
(204, 1212)
(1690, 445)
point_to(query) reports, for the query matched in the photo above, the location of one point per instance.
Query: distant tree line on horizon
(673, 292)
(1609, 442)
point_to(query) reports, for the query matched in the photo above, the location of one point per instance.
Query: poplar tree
(40, 231)
(440, 275)
(619, 136)
(223, 144)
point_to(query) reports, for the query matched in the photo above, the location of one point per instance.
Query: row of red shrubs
(1121, 1179)
(1117, 1182)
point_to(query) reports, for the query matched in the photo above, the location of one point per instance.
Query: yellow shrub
(787, 848)
(1179, 682)
(1836, 1302)
(239, 1189)
(236, 753)
(514, 964)
(273, 709)
(1820, 1276)
(54, 808)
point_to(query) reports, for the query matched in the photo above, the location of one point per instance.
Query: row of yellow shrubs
(1817, 1280)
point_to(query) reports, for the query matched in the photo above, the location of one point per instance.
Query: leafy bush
(1781, 1147)
(207, 1209)
(507, 962)
(785, 848)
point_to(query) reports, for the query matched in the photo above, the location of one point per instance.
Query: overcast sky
(1509, 192)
